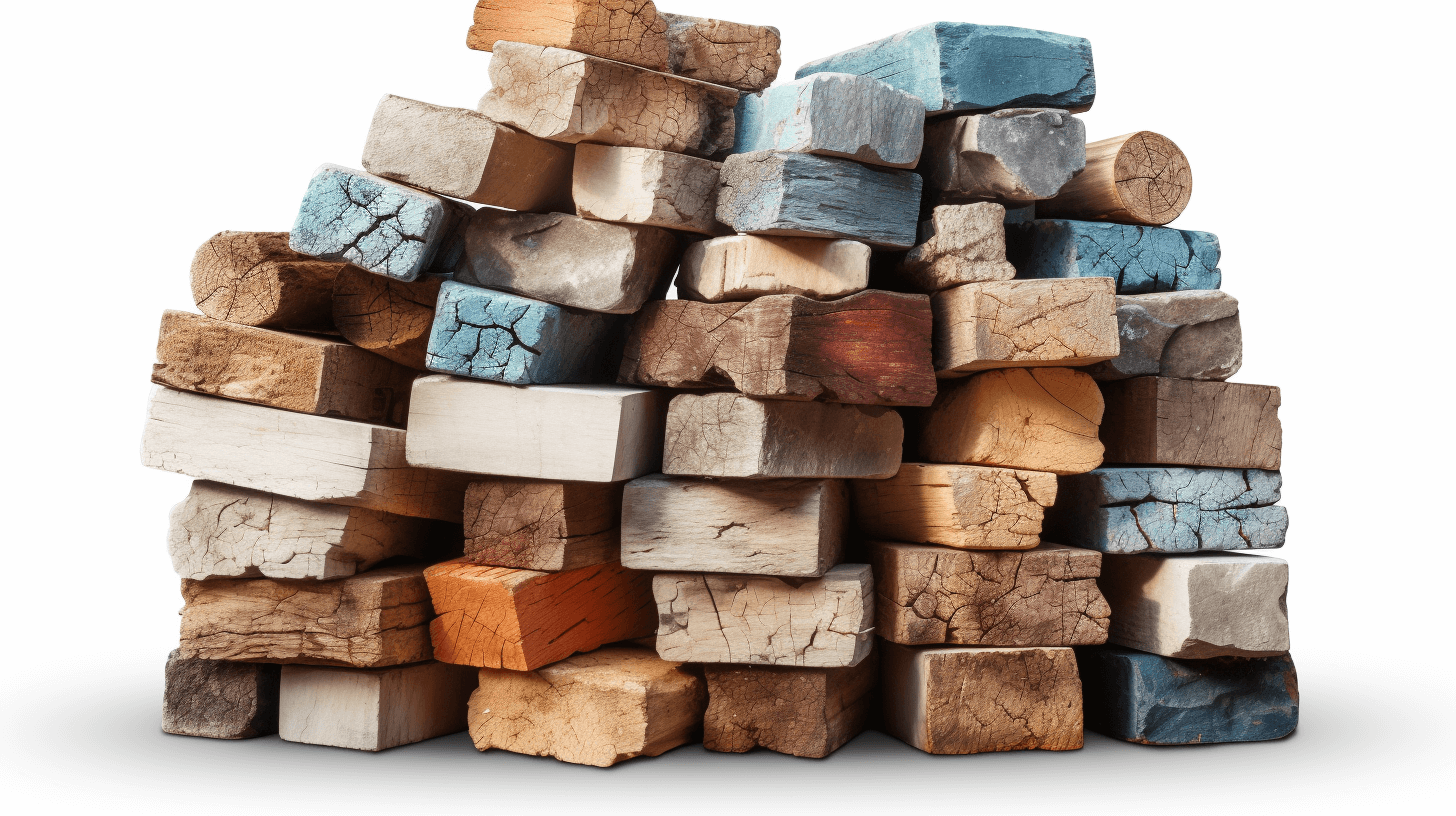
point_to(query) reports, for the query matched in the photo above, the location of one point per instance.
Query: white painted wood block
(373, 709)
(744, 267)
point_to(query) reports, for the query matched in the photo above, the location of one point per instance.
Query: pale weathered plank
(807, 712)
(1163, 421)
(744, 267)
(373, 709)
(961, 506)
(634, 185)
(1071, 322)
(540, 525)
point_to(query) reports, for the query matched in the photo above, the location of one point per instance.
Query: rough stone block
(545, 526)
(373, 709)
(1193, 335)
(1140, 259)
(738, 55)
(253, 278)
(961, 506)
(388, 317)
(843, 115)
(744, 267)
(634, 185)
(219, 699)
(630, 31)
(959, 243)
(1162, 421)
(1021, 154)
(804, 712)
(1069, 322)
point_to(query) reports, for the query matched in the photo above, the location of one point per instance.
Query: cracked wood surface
(843, 115)
(630, 31)
(807, 712)
(1141, 259)
(545, 526)
(961, 506)
(388, 317)
(761, 527)
(1192, 335)
(373, 709)
(1136, 178)
(738, 55)
(1015, 155)
(871, 348)
(1071, 322)
(253, 278)
(219, 699)
(959, 243)
(592, 709)
(1162, 421)
(378, 618)
(1026, 418)
(744, 267)
(758, 619)
(1042, 597)
(634, 185)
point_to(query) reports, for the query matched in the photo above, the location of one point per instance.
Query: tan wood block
(744, 267)
(253, 278)
(961, 506)
(1136, 178)
(629, 31)
(634, 185)
(389, 317)
(738, 55)
(805, 712)
(1162, 421)
(958, 244)
(545, 526)
(1054, 322)
(373, 709)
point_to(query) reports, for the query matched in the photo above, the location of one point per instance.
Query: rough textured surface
(961, 506)
(852, 117)
(959, 243)
(1132, 509)
(738, 55)
(219, 699)
(712, 618)
(1192, 335)
(593, 709)
(962, 66)
(629, 31)
(1028, 418)
(800, 711)
(253, 278)
(1138, 178)
(1162, 421)
(735, 436)
(389, 317)
(635, 185)
(570, 97)
(1020, 154)
(1140, 259)
(545, 526)
(1042, 597)
(1070, 322)
(373, 709)
(743, 267)
(1157, 701)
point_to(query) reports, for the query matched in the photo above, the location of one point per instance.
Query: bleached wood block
(1163, 421)
(1198, 605)
(219, 699)
(545, 526)
(373, 709)
(841, 115)
(730, 435)
(1019, 154)
(744, 267)
(758, 527)
(713, 618)
(306, 457)
(738, 55)
(388, 317)
(634, 185)
(800, 711)
(1192, 335)
(630, 31)
(585, 433)
(253, 278)
(1071, 322)
(959, 243)
(961, 506)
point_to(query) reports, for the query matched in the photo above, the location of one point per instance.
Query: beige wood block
(738, 55)
(1137, 178)
(958, 244)
(389, 317)
(373, 709)
(629, 31)
(744, 267)
(253, 278)
(634, 185)
(1053, 322)
(805, 712)
(1163, 421)
(961, 506)
(545, 526)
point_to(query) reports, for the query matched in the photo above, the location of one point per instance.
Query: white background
(1321, 146)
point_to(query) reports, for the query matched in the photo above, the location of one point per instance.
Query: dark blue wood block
(1140, 259)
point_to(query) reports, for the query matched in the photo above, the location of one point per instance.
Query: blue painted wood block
(841, 115)
(778, 193)
(1140, 259)
(1168, 509)
(1157, 700)
(507, 338)
(967, 67)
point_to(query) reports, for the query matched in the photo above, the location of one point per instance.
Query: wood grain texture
(738, 55)
(1013, 155)
(219, 699)
(959, 243)
(744, 267)
(840, 115)
(805, 712)
(253, 278)
(634, 185)
(961, 506)
(1162, 421)
(1136, 178)
(544, 526)
(978, 326)
(629, 31)
(1193, 335)
(388, 317)
(373, 709)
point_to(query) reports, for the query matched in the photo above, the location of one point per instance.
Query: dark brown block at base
(220, 699)
(800, 711)
(1162, 421)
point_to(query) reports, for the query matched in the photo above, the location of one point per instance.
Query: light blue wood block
(968, 67)
(378, 225)
(1140, 259)
(841, 115)
(507, 338)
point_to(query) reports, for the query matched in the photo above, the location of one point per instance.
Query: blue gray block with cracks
(378, 225)
(1140, 259)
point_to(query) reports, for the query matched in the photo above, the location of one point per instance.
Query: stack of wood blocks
(460, 466)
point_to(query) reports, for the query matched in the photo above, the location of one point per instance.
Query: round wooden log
(388, 317)
(253, 278)
(1140, 178)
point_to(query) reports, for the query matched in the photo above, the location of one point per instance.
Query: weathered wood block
(870, 348)
(787, 527)
(744, 267)
(1153, 700)
(1020, 154)
(567, 260)
(1198, 605)
(373, 709)
(961, 506)
(805, 712)
(306, 457)
(503, 618)
(777, 193)
(734, 436)
(635, 185)
(629, 31)
(1027, 418)
(1042, 597)
(1137, 178)
(219, 699)
(389, 317)
(1162, 421)
(959, 243)
(713, 618)
(1140, 259)
(507, 338)
(545, 526)
(1193, 335)
(738, 55)
(602, 433)
(295, 372)
(1132, 509)
(592, 709)
(962, 66)
(253, 278)
(1070, 322)
(963, 700)
(378, 618)
(566, 96)
(844, 115)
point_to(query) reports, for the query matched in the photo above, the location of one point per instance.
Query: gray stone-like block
(1020, 154)
(1192, 335)
(220, 699)
(959, 243)
(843, 115)
(1140, 259)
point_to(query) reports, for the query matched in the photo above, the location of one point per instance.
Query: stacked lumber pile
(459, 464)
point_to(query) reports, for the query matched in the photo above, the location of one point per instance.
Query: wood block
(1162, 421)
(961, 506)
(967, 67)
(738, 55)
(1002, 324)
(219, 699)
(805, 712)
(1026, 418)
(306, 457)
(959, 243)
(1137, 178)
(844, 115)
(1140, 259)
(870, 348)
(378, 618)
(757, 619)
(1157, 701)
(507, 338)
(1198, 605)
(386, 316)
(793, 527)
(601, 433)
(1132, 509)
(221, 531)
(777, 193)
(373, 709)
(963, 700)
(629, 31)
(635, 185)
(253, 278)
(1042, 597)
(545, 526)
(295, 372)
(592, 709)
(503, 618)
(1020, 154)
(1193, 335)
(567, 260)
(744, 267)
(566, 96)
(734, 436)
